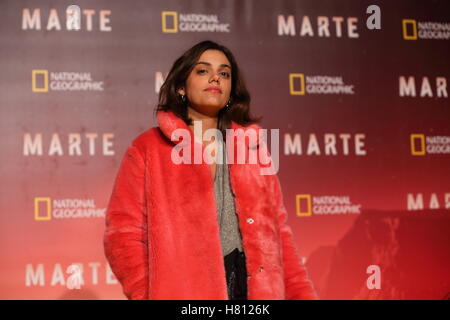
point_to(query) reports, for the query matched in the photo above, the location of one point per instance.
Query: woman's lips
(217, 90)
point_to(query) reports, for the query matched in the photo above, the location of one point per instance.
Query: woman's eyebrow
(209, 64)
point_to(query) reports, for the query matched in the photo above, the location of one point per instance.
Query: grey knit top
(230, 235)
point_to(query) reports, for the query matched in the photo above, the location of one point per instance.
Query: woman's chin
(210, 109)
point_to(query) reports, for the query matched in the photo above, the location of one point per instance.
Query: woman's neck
(208, 122)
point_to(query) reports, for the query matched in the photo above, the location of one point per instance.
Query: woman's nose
(215, 77)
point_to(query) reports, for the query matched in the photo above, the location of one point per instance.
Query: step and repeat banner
(358, 89)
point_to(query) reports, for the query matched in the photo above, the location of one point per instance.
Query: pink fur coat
(162, 234)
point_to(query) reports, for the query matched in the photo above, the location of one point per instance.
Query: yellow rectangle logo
(405, 23)
(47, 214)
(308, 211)
(292, 90)
(174, 16)
(34, 74)
(417, 151)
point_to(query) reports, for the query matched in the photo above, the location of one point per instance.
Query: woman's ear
(181, 91)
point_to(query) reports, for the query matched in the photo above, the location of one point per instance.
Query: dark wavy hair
(239, 107)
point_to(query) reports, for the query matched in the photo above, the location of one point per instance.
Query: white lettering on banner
(416, 201)
(327, 84)
(204, 27)
(76, 208)
(73, 278)
(293, 144)
(94, 266)
(407, 87)
(433, 30)
(334, 204)
(34, 277)
(74, 81)
(58, 276)
(287, 26)
(79, 213)
(438, 144)
(32, 21)
(193, 17)
(319, 84)
(76, 146)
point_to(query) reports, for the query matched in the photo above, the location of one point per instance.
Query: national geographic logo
(307, 205)
(174, 22)
(414, 30)
(44, 81)
(46, 208)
(301, 84)
(422, 145)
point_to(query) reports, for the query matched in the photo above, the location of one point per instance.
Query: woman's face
(208, 86)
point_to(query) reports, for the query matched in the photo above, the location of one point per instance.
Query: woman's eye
(223, 73)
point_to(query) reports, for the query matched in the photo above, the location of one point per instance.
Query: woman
(201, 230)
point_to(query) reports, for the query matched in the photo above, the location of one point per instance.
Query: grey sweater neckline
(228, 221)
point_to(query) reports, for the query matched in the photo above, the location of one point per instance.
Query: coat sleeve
(297, 284)
(125, 238)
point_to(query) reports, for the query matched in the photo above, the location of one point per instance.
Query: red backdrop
(359, 93)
